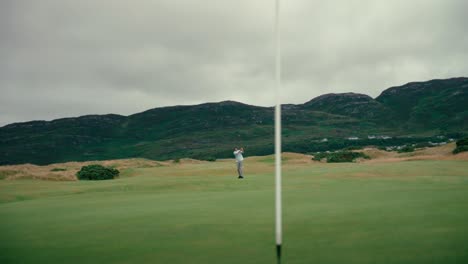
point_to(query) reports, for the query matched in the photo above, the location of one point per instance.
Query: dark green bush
(406, 149)
(423, 145)
(58, 169)
(205, 157)
(345, 156)
(340, 156)
(462, 142)
(97, 172)
(353, 148)
(5, 173)
(320, 156)
(462, 146)
(460, 149)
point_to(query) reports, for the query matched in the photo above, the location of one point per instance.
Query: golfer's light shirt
(238, 155)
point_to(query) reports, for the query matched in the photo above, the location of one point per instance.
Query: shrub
(340, 156)
(423, 145)
(346, 156)
(204, 157)
(462, 142)
(353, 148)
(58, 169)
(6, 173)
(97, 172)
(406, 149)
(320, 156)
(177, 160)
(460, 149)
(462, 146)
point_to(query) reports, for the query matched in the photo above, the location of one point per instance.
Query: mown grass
(405, 212)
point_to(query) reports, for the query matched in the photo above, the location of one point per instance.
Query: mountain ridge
(233, 102)
(208, 129)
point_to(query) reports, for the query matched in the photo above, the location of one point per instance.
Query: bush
(6, 173)
(406, 149)
(462, 146)
(340, 156)
(353, 148)
(346, 156)
(462, 142)
(204, 157)
(97, 172)
(58, 169)
(423, 145)
(320, 156)
(460, 149)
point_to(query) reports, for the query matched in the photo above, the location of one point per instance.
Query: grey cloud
(67, 58)
(365, 46)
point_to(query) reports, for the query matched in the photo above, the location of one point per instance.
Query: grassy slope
(204, 131)
(406, 212)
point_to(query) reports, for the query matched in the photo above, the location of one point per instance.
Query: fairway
(388, 212)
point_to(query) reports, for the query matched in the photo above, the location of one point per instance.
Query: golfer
(239, 158)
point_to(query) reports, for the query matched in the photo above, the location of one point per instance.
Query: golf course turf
(389, 212)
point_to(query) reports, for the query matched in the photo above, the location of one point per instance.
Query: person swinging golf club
(239, 160)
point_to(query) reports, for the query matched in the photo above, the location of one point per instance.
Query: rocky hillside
(210, 130)
(355, 105)
(436, 104)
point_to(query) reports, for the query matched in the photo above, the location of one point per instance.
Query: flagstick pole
(278, 134)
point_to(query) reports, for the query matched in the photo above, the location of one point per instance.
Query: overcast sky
(61, 58)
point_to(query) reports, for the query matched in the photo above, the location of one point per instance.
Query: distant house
(324, 140)
(378, 137)
(437, 144)
(353, 138)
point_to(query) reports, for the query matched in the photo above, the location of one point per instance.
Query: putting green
(405, 212)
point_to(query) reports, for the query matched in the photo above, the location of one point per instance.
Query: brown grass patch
(435, 153)
(374, 153)
(30, 171)
(187, 167)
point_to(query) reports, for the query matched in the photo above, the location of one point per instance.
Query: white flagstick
(278, 133)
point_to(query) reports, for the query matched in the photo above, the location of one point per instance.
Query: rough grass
(67, 171)
(198, 212)
(7, 173)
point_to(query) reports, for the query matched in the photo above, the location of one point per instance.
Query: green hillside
(359, 106)
(210, 130)
(436, 104)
